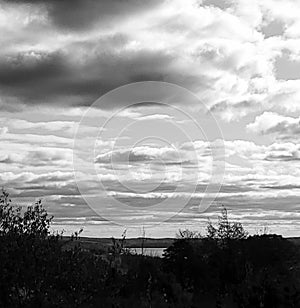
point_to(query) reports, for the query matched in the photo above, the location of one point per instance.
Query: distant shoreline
(98, 243)
(130, 242)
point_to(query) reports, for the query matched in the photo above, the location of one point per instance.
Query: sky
(209, 93)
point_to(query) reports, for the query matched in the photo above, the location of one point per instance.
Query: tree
(34, 269)
(33, 221)
(225, 230)
(188, 234)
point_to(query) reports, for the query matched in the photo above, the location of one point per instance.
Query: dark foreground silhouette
(226, 268)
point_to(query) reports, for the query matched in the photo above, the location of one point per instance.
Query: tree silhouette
(225, 230)
(33, 221)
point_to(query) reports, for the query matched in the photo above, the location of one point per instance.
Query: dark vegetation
(226, 268)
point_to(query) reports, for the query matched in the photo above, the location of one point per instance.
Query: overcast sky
(240, 57)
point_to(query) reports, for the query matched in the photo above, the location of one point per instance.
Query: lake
(154, 252)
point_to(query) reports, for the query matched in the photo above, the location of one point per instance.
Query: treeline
(224, 268)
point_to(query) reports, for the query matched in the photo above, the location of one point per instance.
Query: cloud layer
(239, 59)
(242, 59)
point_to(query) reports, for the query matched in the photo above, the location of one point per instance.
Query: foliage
(188, 234)
(34, 221)
(225, 230)
(226, 268)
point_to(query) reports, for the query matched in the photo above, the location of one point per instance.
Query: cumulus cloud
(272, 123)
(214, 48)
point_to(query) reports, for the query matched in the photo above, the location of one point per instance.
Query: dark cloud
(31, 77)
(294, 156)
(82, 14)
(85, 67)
(78, 67)
(27, 67)
(282, 187)
(140, 202)
(236, 188)
(60, 79)
(226, 188)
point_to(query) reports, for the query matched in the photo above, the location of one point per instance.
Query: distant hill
(90, 243)
(102, 243)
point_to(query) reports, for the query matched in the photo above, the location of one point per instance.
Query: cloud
(83, 49)
(59, 78)
(283, 187)
(99, 46)
(272, 123)
(143, 154)
(51, 126)
(289, 157)
(222, 4)
(234, 110)
(226, 52)
(83, 14)
(37, 158)
(56, 176)
(3, 130)
(32, 185)
(283, 96)
(47, 140)
(164, 117)
(25, 75)
(285, 152)
(240, 58)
